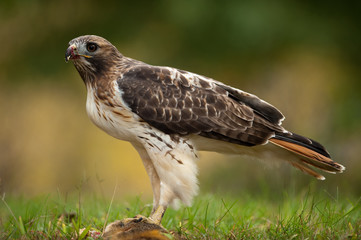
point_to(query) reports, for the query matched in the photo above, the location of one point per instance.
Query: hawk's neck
(102, 77)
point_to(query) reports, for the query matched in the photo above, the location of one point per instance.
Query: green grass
(312, 216)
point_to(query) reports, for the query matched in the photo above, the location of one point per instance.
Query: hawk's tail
(312, 154)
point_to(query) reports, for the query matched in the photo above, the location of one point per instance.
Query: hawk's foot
(139, 227)
(157, 214)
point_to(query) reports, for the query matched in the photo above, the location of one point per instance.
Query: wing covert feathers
(183, 103)
(311, 154)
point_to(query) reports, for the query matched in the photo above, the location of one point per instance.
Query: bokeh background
(302, 56)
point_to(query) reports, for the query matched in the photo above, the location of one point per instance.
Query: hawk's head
(92, 55)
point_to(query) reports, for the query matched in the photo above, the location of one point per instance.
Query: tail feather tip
(342, 168)
(321, 178)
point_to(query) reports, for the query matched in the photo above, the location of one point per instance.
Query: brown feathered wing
(179, 102)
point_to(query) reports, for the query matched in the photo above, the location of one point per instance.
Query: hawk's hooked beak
(72, 53)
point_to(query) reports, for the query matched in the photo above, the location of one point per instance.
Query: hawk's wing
(179, 102)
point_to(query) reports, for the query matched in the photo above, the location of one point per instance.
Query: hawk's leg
(154, 178)
(170, 164)
(139, 224)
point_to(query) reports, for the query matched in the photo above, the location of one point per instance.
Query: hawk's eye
(91, 47)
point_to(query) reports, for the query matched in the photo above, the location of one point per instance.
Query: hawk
(168, 115)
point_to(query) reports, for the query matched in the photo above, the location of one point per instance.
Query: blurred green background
(303, 57)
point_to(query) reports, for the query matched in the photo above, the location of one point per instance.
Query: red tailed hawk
(169, 115)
